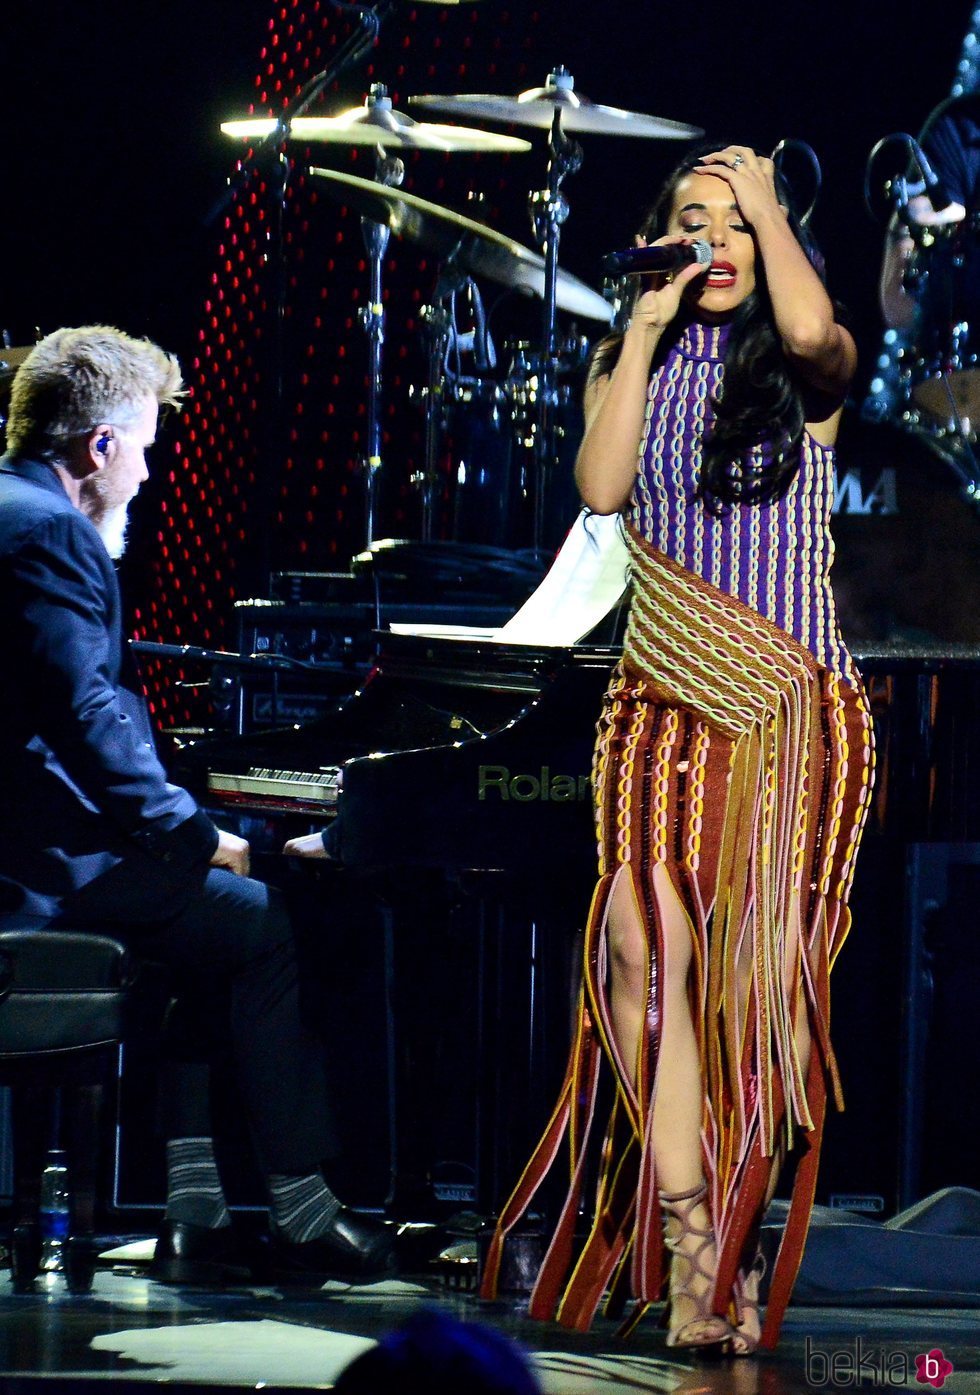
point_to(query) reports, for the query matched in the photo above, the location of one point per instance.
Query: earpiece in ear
(102, 444)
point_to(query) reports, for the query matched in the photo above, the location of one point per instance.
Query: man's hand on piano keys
(310, 845)
(231, 853)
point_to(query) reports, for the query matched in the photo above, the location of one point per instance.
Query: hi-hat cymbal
(479, 250)
(537, 107)
(377, 123)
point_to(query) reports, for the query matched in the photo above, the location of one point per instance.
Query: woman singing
(732, 774)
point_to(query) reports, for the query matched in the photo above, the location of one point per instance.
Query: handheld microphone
(935, 190)
(636, 261)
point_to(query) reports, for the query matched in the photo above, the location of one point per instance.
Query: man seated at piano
(94, 838)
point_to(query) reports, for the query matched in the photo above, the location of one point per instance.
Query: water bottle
(55, 1213)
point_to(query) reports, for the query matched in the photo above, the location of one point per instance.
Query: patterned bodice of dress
(775, 557)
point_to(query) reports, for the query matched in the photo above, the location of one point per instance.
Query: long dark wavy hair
(762, 404)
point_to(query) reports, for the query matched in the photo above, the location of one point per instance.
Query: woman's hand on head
(751, 178)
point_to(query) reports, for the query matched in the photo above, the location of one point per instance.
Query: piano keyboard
(303, 791)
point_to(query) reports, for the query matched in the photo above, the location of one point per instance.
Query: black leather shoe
(196, 1255)
(356, 1249)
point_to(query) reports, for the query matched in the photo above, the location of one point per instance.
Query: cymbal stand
(435, 321)
(549, 210)
(389, 172)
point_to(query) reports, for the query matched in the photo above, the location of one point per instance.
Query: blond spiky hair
(75, 379)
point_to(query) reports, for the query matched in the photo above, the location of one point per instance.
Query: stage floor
(129, 1331)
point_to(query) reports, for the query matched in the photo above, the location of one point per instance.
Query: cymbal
(479, 250)
(376, 123)
(537, 107)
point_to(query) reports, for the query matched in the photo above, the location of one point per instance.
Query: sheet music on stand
(584, 583)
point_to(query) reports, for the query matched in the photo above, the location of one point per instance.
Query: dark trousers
(232, 935)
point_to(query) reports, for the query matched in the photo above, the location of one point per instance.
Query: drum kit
(943, 375)
(907, 513)
(497, 467)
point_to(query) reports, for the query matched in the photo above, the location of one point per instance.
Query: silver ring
(739, 160)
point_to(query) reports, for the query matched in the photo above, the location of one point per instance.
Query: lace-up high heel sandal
(744, 1342)
(692, 1323)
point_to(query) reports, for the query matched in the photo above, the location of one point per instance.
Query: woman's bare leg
(679, 1101)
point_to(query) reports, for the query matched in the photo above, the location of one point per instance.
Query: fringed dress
(732, 772)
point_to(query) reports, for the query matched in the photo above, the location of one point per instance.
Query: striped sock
(195, 1195)
(301, 1207)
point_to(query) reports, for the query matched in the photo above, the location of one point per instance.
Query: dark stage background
(112, 161)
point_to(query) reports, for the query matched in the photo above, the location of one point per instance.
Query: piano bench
(63, 1001)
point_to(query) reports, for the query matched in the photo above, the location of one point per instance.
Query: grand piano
(456, 755)
(456, 784)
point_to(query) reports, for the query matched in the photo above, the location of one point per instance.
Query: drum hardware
(558, 108)
(523, 381)
(467, 249)
(898, 188)
(944, 376)
(377, 123)
(435, 322)
(464, 418)
(781, 156)
(549, 211)
(474, 247)
(447, 388)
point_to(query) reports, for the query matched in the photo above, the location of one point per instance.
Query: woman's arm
(615, 403)
(821, 350)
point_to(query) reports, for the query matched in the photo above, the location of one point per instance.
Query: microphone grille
(702, 252)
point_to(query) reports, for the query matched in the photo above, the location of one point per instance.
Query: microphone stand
(154, 650)
(220, 658)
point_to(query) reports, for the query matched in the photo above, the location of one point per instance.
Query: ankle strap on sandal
(696, 1193)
